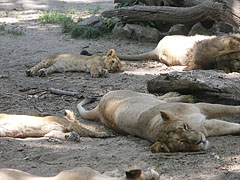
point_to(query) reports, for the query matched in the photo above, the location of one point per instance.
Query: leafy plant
(67, 24)
(109, 23)
(94, 11)
(85, 32)
(72, 10)
(2, 28)
(52, 17)
(15, 32)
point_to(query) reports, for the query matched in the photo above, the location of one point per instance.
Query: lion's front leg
(98, 71)
(217, 127)
(217, 110)
(71, 136)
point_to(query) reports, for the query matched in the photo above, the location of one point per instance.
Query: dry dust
(25, 95)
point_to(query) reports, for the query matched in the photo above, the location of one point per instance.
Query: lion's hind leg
(217, 127)
(47, 62)
(213, 111)
(176, 97)
(81, 129)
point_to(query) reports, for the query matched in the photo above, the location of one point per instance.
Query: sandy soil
(24, 95)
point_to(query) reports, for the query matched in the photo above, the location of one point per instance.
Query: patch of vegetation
(52, 17)
(2, 27)
(72, 10)
(67, 24)
(87, 32)
(125, 4)
(15, 32)
(94, 11)
(109, 24)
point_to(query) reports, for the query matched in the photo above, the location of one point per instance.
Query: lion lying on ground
(81, 173)
(196, 52)
(96, 65)
(67, 128)
(167, 122)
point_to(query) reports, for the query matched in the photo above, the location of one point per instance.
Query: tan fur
(96, 65)
(48, 126)
(80, 173)
(171, 126)
(196, 52)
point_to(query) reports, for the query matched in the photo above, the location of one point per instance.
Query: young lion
(80, 173)
(196, 52)
(49, 126)
(171, 125)
(96, 65)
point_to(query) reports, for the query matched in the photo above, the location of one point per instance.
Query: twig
(3, 76)
(62, 92)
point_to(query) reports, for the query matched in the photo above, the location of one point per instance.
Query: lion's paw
(29, 73)
(104, 73)
(42, 73)
(73, 137)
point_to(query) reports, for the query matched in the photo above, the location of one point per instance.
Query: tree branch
(226, 11)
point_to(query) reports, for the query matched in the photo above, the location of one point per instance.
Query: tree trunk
(207, 86)
(224, 10)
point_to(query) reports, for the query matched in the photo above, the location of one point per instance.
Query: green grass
(51, 17)
(11, 31)
(68, 25)
(15, 32)
(72, 10)
(2, 28)
(94, 11)
(87, 32)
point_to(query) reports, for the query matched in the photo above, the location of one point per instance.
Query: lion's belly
(174, 50)
(24, 126)
(123, 115)
(71, 65)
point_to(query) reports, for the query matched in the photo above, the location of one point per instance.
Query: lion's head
(112, 62)
(175, 135)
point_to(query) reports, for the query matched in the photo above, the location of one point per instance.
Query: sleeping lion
(196, 52)
(166, 121)
(95, 65)
(81, 173)
(67, 128)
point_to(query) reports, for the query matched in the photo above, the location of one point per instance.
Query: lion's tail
(152, 55)
(90, 115)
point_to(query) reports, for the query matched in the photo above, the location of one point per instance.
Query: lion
(67, 128)
(96, 65)
(170, 124)
(82, 173)
(196, 52)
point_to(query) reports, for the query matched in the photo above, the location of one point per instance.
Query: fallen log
(224, 10)
(205, 85)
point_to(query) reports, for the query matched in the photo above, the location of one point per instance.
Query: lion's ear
(69, 115)
(111, 52)
(159, 147)
(133, 173)
(166, 116)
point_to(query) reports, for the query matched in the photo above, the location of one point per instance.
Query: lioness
(80, 173)
(67, 128)
(171, 126)
(96, 65)
(196, 52)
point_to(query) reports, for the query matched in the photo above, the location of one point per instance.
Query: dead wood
(224, 10)
(205, 85)
(62, 92)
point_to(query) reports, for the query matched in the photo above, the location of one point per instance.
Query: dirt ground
(25, 95)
